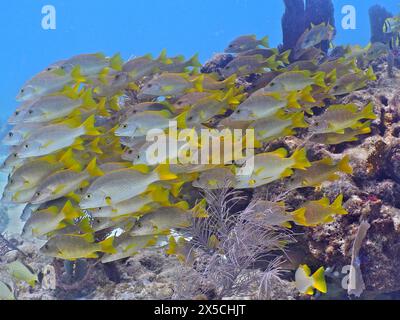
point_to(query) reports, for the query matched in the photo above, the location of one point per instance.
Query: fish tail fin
(300, 159)
(292, 101)
(298, 121)
(107, 245)
(94, 146)
(89, 128)
(164, 173)
(93, 169)
(87, 99)
(306, 95)
(77, 75)
(284, 57)
(371, 74)
(116, 62)
(172, 246)
(332, 76)
(181, 120)
(230, 97)
(344, 165)
(338, 202)
(319, 79)
(299, 217)
(319, 282)
(194, 61)
(230, 81)
(176, 188)
(198, 83)
(101, 107)
(78, 144)
(368, 112)
(69, 211)
(265, 42)
(67, 158)
(163, 57)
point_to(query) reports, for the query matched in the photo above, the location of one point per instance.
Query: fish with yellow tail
(272, 166)
(22, 272)
(127, 245)
(121, 185)
(64, 182)
(57, 136)
(306, 283)
(352, 82)
(76, 246)
(50, 219)
(171, 84)
(338, 118)
(245, 65)
(246, 43)
(161, 220)
(319, 172)
(314, 213)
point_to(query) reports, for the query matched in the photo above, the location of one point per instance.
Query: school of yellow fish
(78, 143)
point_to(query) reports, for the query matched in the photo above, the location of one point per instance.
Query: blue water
(136, 27)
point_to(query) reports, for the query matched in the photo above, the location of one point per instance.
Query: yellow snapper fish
(121, 185)
(74, 246)
(352, 82)
(211, 82)
(189, 99)
(20, 112)
(110, 84)
(319, 172)
(277, 126)
(349, 135)
(11, 162)
(6, 292)
(127, 246)
(337, 118)
(314, 36)
(272, 166)
(170, 84)
(64, 182)
(162, 220)
(314, 213)
(57, 136)
(375, 50)
(89, 64)
(206, 108)
(20, 132)
(139, 124)
(342, 66)
(246, 43)
(215, 178)
(147, 106)
(32, 173)
(295, 81)
(20, 197)
(52, 107)
(22, 272)
(245, 65)
(43, 84)
(133, 205)
(257, 106)
(144, 66)
(50, 219)
(306, 283)
(178, 64)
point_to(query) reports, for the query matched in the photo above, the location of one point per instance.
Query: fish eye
(231, 46)
(272, 84)
(15, 155)
(227, 67)
(138, 156)
(48, 69)
(38, 194)
(30, 111)
(149, 85)
(190, 118)
(125, 126)
(46, 246)
(26, 146)
(99, 208)
(22, 90)
(88, 196)
(179, 103)
(130, 151)
(16, 113)
(10, 134)
(238, 111)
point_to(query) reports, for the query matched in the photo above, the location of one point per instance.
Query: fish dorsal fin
(323, 202)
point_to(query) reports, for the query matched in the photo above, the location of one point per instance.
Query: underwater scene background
(313, 88)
